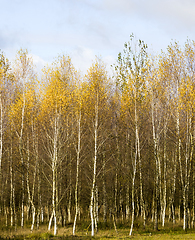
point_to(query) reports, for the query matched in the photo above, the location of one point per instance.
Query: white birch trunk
(70, 195)
(127, 203)
(94, 167)
(20, 136)
(165, 177)
(11, 185)
(14, 203)
(77, 173)
(104, 191)
(134, 165)
(31, 195)
(54, 177)
(133, 196)
(193, 199)
(155, 139)
(95, 211)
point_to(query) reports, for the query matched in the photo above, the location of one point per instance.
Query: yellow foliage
(57, 92)
(95, 91)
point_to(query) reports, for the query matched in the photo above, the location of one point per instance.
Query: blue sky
(85, 28)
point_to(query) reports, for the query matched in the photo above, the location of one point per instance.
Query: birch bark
(77, 172)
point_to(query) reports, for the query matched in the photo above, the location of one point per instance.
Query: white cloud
(109, 60)
(84, 28)
(39, 63)
(173, 15)
(82, 58)
(122, 5)
(178, 12)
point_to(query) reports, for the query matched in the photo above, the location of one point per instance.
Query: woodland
(99, 148)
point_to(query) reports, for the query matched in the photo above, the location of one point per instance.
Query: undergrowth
(106, 230)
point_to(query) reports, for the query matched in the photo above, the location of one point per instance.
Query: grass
(106, 231)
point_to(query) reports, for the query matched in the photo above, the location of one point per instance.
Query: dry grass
(105, 232)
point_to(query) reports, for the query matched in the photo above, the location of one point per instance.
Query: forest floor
(83, 232)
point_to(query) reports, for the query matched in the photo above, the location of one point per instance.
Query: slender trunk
(77, 173)
(127, 203)
(40, 208)
(173, 212)
(189, 218)
(14, 203)
(153, 206)
(172, 190)
(11, 197)
(70, 196)
(179, 156)
(104, 192)
(33, 218)
(142, 205)
(96, 208)
(185, 224)
(53, 215)
(22, 207)
(121, 205)
(50, 221)
(127, 209)
(156, 158)
(116, 177)
(134, 165)
(94, 168)
(91, 210)
(165, 177)
(116, 193)
(133, 199)
(11, 184)
(22, 159)
(170, 203)
(54, 200)
(114, 222)
(5, 213)
(48, 214)
(54, 176)
(193, 199)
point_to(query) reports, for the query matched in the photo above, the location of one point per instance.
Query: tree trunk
(70, 196)
(94, 168)
(54, 175)
(133, 198)
(104, 192)
(77, 173)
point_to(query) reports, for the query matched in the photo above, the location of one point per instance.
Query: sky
(84, 29)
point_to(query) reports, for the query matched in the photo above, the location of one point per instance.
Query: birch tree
(57, 96)
(180, 71)
(25, 79)
(6, 79)
(131, 69)
(79, 115)
(4, 68)
(96, 97)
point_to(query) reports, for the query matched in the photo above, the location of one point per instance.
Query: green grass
(105, 231)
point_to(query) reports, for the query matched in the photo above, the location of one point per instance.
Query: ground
(105, 232)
